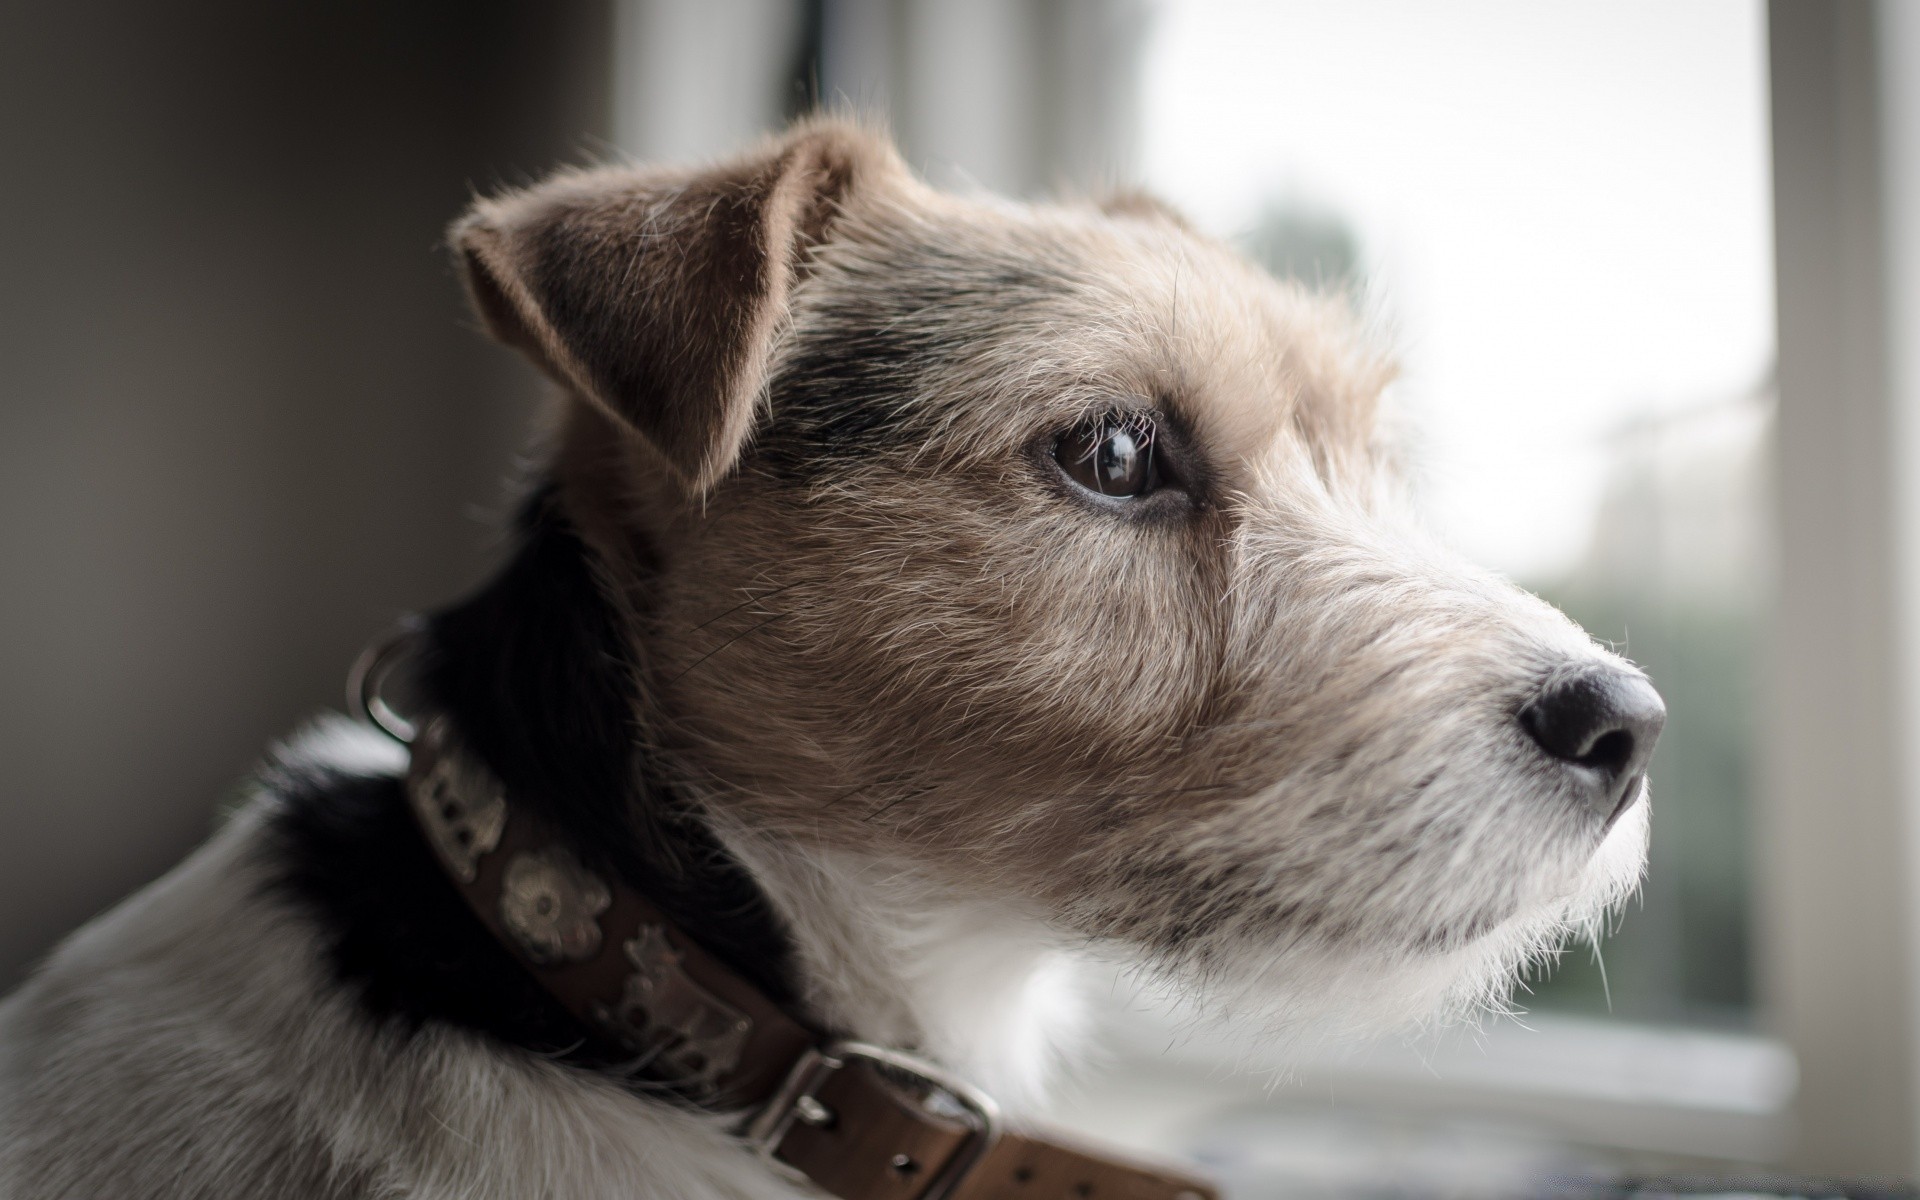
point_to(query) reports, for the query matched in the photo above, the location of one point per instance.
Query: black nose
(1603, 723)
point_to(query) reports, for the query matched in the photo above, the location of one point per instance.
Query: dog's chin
(1310, 992)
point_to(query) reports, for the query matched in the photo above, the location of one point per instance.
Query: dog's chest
(200, 1024)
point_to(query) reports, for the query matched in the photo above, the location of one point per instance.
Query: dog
(922, 596)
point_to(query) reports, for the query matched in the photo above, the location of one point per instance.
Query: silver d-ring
(370, 671)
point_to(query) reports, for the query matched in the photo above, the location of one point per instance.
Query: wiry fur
(959, 724)
(193, 1043)
(1275, 727)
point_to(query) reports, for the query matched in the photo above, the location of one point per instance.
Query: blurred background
(1653, 271)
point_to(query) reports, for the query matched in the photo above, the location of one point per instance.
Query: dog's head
(1058, 552)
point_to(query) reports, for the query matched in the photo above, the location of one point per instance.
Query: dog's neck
(904, 960)
(533, 673)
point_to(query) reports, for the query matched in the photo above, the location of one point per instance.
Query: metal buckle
(798, 1100)
(366, 700)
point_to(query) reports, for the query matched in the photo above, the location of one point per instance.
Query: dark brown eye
(1110, 456)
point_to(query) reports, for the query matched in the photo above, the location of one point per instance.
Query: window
(1563, 215)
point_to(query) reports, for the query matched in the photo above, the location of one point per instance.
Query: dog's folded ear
(658, 295)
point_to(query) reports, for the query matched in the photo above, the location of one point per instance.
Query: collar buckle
(798, 1101)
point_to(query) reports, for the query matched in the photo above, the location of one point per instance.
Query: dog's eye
(1110, 455)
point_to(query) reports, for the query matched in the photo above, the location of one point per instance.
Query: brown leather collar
(856, 1121)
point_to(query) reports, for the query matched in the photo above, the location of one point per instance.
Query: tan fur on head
(1260, 731)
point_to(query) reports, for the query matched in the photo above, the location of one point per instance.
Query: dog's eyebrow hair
(851, 384)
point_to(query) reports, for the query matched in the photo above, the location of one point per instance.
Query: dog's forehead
(1007, 314)
(1259, 367)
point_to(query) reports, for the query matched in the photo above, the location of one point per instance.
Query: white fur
(1300, 996)
(982, 987)
(238, 1066)
(345, 745)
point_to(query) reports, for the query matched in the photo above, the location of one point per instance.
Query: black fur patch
(534, 674)
(852, 385)
(399, 933)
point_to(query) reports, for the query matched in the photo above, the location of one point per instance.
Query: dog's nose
(1602, 723)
